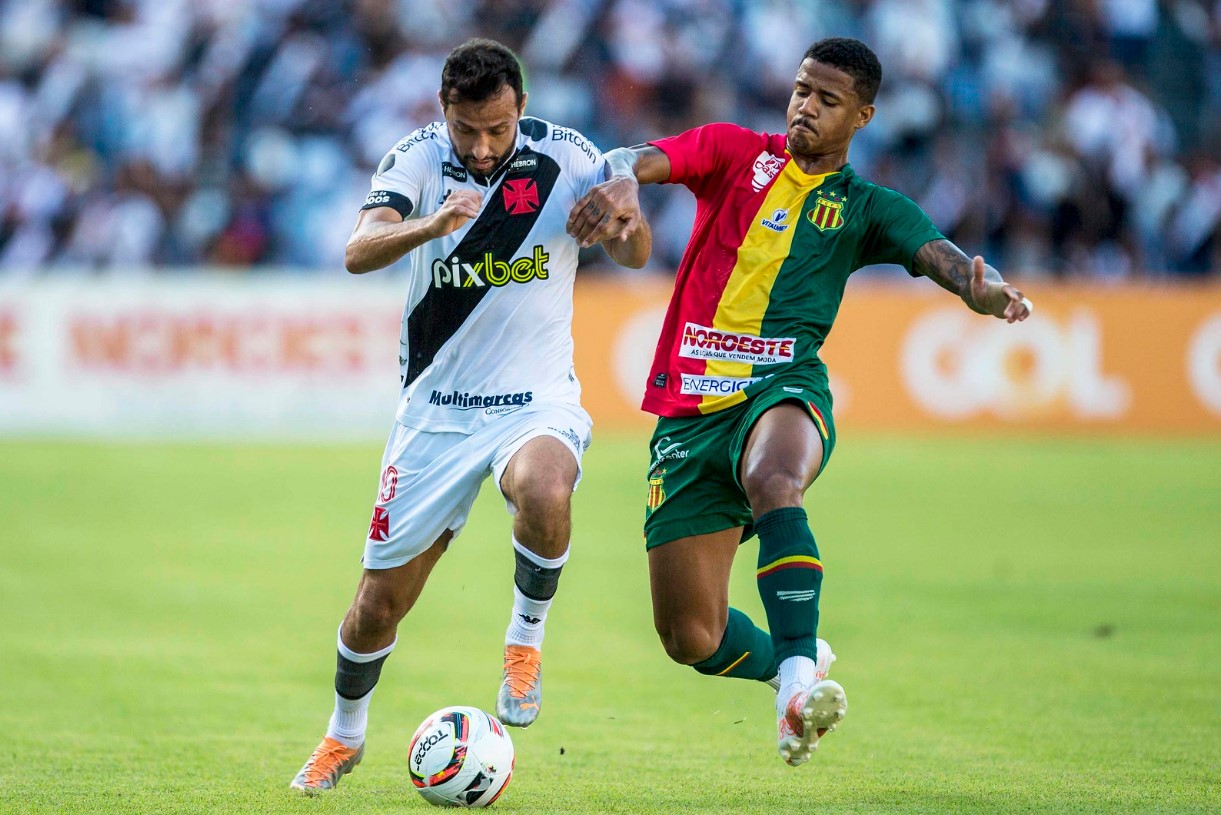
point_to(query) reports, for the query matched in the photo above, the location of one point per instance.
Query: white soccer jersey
(487, 328)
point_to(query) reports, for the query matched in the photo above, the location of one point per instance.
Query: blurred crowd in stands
(1075, 138)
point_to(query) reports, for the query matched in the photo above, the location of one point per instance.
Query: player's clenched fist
(460, 206)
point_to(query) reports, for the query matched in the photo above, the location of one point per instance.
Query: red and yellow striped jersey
(764, 271)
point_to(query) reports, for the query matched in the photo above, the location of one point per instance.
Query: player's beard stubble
(801, 140)
(485, 168)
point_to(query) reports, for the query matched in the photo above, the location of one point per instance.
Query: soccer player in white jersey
(478, 206)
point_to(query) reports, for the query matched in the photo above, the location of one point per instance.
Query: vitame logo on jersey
(490, 271)
(776, 223)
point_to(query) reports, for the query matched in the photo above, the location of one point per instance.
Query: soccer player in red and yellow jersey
(745, 422)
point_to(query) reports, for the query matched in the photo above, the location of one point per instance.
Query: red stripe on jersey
(730, 170)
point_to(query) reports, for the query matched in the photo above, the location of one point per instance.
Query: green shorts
(693, 467)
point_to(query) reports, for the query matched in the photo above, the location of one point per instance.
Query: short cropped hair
(855, 59)
(477, 70)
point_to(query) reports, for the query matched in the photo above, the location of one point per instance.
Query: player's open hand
(610, 210)
(460, 206)
(997, 297)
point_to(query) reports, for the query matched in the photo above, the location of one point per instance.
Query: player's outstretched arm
(979, 285)
(381, 236)
(613, 207)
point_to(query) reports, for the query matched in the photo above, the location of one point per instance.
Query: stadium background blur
(1066, 138)
(1022, 517)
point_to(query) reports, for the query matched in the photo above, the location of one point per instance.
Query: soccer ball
(461, 757)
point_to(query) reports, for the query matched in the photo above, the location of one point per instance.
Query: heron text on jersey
(490, 271)
(701, 342)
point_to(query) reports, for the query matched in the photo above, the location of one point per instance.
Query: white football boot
(808, 715)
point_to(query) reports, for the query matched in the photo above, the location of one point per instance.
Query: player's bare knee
(771, 487)
(545, 497)
(687, 642)
(545, 509)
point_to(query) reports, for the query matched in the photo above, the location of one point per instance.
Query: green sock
(745, 651)
(790, 581)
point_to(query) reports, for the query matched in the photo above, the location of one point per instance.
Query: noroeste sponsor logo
(702, 342)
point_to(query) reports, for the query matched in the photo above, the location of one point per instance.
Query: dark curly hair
(855, 59)
(477, 70)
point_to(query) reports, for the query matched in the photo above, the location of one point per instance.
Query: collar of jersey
(491, 178)
(804, 179)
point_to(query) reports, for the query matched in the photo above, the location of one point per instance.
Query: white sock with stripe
(350, 719)
(526, 624)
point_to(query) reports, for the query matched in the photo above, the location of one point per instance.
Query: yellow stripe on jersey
(747, 293)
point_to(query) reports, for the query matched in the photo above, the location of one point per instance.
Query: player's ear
(441, 102)
(864, 116)
(521, 109)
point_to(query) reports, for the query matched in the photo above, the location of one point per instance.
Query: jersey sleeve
(583, 162)
(702, 155)
(897, 230)
(401, 176)
(589, 176)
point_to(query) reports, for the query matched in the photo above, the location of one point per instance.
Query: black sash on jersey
(442, 311)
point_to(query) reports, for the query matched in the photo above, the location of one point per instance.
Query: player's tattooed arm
(631, 248)
(612, 208)
(947, 266)
(979, 285)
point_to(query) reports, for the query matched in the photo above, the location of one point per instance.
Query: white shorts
(429, 480)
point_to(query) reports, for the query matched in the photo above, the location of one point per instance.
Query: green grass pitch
(1022, 626)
